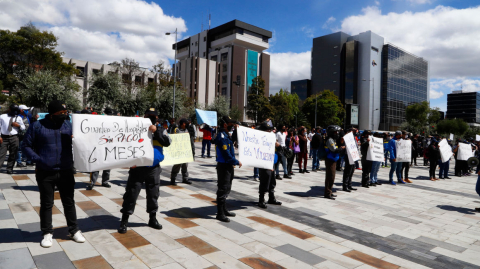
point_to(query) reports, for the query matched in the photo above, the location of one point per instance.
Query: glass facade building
(404, 82)
(303, 88)
(349, 93)
(464, 106)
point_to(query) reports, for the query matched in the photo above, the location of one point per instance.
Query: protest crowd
(46, 142)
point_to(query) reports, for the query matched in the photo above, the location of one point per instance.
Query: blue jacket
(224, 148)
(48, 145)
(392, 148)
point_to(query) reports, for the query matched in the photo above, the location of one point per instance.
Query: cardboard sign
(351, 146)
(375, 150)
(464, 152)
(445, 150)
(107, 142)
(179, 151)
(256, 148)
(208, 117)
(404, 151)
(477, 137)
(451, 137)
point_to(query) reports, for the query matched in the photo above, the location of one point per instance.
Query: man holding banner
(183, 128)
(225, 161)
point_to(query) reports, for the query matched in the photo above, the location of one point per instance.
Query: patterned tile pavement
(421, 225)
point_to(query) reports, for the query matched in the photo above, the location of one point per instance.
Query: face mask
(59, 119)
(230, 128)
(153, 120)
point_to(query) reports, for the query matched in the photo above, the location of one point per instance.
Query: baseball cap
(151, 111)
(56, 106)
(23, 107)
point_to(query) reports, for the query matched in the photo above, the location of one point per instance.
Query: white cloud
(287, 67)
(328, 23)
(435, 95)
(445, 36)
(309, 31)
(455, 84)
(99, 31)
(420, 2)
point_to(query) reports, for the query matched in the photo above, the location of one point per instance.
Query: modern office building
(381, 79)
(211, 62)
(141, 76)
(303, 88)
(464, 105)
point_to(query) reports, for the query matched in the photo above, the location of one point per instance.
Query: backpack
(322, 153)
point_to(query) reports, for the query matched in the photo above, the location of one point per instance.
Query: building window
(204, 39)
(150, 80)
(82, 71)
(224, 79)
(214, 58)
(125, 78)
(224, 68)
(224, 91)
(138, 80)
(196, 43)
(224, 56)
(203, 54)
(95, 71)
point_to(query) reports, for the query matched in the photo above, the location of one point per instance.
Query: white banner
(375, 150)
(351, 146)
(256, 148)
(445, 150)
(451, 137)
(107, 142)
(404, 151)
(477, 137)
(464, 152)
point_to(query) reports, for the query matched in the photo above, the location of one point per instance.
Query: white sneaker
(78, 237)
(47, 241)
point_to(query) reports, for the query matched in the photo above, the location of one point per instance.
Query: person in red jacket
(207, 139)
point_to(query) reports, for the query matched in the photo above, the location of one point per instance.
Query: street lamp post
(174, 72)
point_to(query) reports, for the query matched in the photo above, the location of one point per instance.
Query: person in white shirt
(10, 126)
(309, 137)
(281, 137)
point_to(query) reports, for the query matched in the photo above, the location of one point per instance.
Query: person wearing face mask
(226, 161)
(333, 154)
(183, 128)
(106, 173)
(11, 124)
(303, 154)
(26, 121)
(48, 143)
(148, 174)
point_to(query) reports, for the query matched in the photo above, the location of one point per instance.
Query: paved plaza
(421, 225)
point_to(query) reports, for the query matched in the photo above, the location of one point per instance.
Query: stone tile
(265, 239)
(151, 256)
(6, 186)
(36, 249)
(16, 258)
(26, 217)
(403, 218)
(185, 213)
(231, 248)
(5, 214)
(223, 260)
(118, 201)
(97, 262)
(88, 205)
(56, 195)
(90, 193)
(291, 262)
(197, 245)
(295, 232)
(130, 264)
(332, 265)
(188, 258)
(131, 239)
(114, 252)
(181, 222)
(260, 263)
(204, 198)
(21, 207)
(163, 242)
(204, 234)
(441, 244)
(265, 221)
(265, 251)
(336, 258)
(20, 177)
(234, 236)
(370, 260)
(53, 260)
(99, 237)
(300, 254)
(78, 251)
(310, 211)
(329, 245)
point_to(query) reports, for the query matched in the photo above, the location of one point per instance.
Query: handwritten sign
(208, 117)
(445, 150)
(404, 151)
(464, 152)
(351, 146)
(256, 148)
(107, 142)
(375, 149)
(179, 151)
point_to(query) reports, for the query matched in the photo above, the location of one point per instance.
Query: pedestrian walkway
(421, 225)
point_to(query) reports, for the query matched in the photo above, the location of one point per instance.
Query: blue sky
(445, 32)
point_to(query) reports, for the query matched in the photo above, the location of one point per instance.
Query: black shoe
(287, 176)
(89, 187)
(441, 178)
(351, 188)
(186, 181)
(123, 227)
(292, 174)
(153, 222)
(334, 195)
(261, 201)
(9, 172)
(228, 213)
(378, 183)
(21, 165)
(365, 186)
(272, 200)
(278, 177)
(448, 177)
(106, 185)
(306, 171)
(300, 171)
(220, 212)
(209, 156)
(330, 197)
(477, 209)
(172, 182)
(345, 189)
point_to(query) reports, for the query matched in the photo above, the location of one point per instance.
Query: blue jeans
(283, 161)
(374, 172)
(255, 172)
(19, 153)
(443, 168)
(357, 165)
(310, 153)
(316, 160)
(207, 144)
(397, 167)
(386, 158)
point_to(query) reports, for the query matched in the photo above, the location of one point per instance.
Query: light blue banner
(208, 117)
(41, 116)
(252, 66)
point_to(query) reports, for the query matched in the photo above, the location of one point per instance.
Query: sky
(444, 32)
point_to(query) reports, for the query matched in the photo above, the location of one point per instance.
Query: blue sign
(208, 117)
(252, 66)
(41, 116)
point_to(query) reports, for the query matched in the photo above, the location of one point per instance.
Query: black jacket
(317, 141)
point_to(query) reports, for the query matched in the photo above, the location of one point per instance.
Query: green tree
(421, 117)
(27, 51)
(164, 73)
(472, 132)
(280, 106)
(164, 103)
(221, 105)
(455, 126)
(42, 87)
(236, 113)
(258, 108)
(330, 110)
(104, 90)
